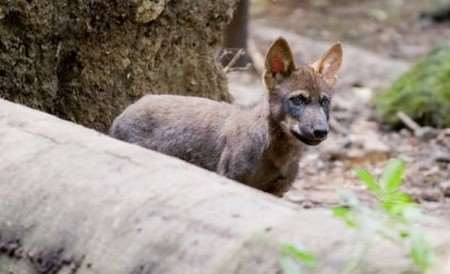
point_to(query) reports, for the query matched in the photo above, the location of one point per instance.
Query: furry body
(233, 141)
(258, 146)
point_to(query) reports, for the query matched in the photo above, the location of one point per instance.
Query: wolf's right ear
(329, 64)
(279, 58)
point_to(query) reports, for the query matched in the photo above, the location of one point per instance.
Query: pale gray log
(75, 201)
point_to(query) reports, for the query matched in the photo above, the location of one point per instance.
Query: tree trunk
(236, 33)
(75, 201)
(85, 61)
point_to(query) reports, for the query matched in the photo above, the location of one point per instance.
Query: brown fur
(258, 146)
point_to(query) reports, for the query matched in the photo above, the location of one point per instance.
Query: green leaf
(395, 203)
(345, 214)
(341, 212)
(404, 234)
(394, 215)
(392, 177)
(300, 255)
(369, 180)
(421, 252)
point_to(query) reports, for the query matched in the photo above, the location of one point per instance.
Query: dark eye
(324, 101)
(298, 100)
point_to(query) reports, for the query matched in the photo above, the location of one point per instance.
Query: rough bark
(86, 60)
(75, 201)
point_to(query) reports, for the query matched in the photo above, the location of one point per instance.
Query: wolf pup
(258, 146)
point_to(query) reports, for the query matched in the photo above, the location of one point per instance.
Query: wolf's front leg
(232, 167)
(283, 183)
(240, 162)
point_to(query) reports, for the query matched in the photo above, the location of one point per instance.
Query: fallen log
(73, 200)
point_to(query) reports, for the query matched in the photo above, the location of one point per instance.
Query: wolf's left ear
(329, 64)
(279, 58)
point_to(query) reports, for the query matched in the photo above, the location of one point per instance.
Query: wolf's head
(300, 96)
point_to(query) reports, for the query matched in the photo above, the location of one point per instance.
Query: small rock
(444, 137)
(378, 14)
(442, 157)
(295, 197)
(405, 133)
(426, 133)
(364, 144)
(307, 204)
(334, 150)
(431, 171)
(445, 188)
(431, 195)
(415, 194)
(364, 94)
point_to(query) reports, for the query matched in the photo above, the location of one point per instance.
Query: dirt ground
(385, 35)
(392, 28)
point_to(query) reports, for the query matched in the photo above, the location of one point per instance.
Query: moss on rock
(423, 93)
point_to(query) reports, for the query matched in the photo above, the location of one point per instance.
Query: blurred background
(392, 98)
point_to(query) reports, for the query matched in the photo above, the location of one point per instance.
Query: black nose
(320, 133)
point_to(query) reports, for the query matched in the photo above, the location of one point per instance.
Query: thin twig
(222, 54)
(246, 68)
(233, 61)
(410, 123)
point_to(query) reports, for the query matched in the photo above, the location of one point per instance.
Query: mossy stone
(423, 93)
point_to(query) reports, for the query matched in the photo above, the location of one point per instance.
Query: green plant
(394, 217)
(423, 93)
(294, 258)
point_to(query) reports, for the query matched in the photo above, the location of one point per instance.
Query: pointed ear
(329, 64)
(279, 58)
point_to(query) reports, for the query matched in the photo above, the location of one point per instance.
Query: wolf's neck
(278, 141)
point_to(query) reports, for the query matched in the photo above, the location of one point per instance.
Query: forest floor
(381, 40)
